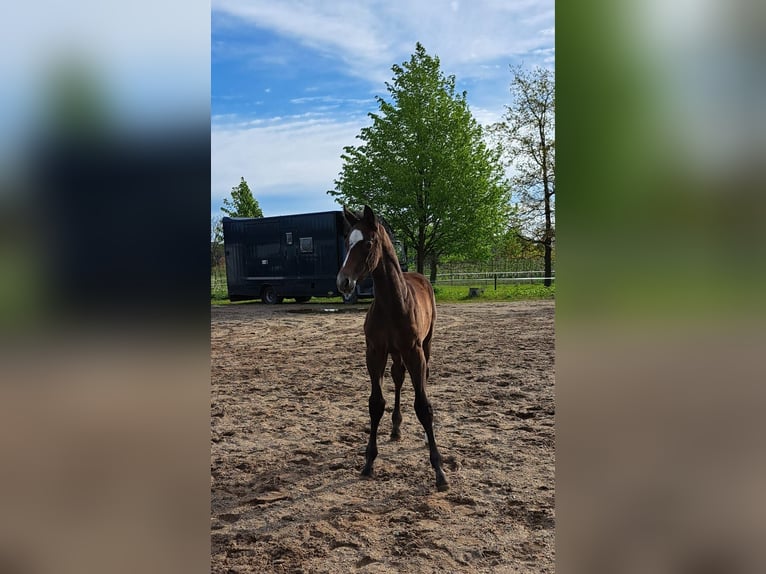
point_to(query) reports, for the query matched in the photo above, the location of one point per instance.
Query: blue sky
(292, 81)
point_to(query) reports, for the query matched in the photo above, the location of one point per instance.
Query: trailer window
(289, 237)
(307, 244)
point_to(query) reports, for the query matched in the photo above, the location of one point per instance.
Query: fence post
(495, 281)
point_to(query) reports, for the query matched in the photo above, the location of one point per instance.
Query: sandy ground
(289, 427)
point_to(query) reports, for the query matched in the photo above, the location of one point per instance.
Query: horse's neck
(390, 286)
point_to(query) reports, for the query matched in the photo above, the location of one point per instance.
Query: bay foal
(400, 323)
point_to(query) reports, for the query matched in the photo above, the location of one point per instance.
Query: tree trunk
(421, 246)
(434, 263)
(548, 239)
(420, 259)
(548, 266)
(548, 215)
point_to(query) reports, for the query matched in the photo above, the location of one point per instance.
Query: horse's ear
(350, 216)
(369, 217)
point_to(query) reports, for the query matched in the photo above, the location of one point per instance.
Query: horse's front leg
(376, 365)
(417, 366)
(397, 374)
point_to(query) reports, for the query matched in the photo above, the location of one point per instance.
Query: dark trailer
(288, 256)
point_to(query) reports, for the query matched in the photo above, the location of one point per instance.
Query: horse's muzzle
(345, 283)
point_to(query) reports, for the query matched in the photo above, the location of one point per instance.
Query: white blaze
(355, 237)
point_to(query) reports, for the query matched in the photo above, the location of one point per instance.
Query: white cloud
(487, 116)
(336, 27)
(288, 157)
(370, 36)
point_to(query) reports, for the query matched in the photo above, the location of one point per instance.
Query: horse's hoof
(396, 437)
(441, 481)
(366, 472)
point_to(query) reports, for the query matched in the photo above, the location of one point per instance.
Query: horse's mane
(381, 220)
(387, 227)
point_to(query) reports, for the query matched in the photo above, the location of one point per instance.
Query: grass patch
(512, 292)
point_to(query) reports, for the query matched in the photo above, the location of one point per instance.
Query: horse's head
(363, 249)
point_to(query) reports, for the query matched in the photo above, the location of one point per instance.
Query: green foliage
(512, 245)
(424, 165)
(528, 135)
(242, 202)
(528, 132)
(513, 292)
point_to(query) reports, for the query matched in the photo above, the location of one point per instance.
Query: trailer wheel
(269, 296)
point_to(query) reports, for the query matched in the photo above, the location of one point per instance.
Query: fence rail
(218, 284)
(491, 277)
(218, 280)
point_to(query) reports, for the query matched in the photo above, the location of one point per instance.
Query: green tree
(528, 130)
(513, 245)
(216, 241)
(425, 166)
(242, 202)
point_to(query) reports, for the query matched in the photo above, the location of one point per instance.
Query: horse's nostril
(344, 283)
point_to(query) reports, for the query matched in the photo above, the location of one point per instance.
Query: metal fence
(493, 266)
(483, 273)
(218, 284)
(482, 278)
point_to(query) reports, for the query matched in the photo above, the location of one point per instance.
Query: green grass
(218, 293)
(510, 292)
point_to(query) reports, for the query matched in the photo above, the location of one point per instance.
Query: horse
(399, 323)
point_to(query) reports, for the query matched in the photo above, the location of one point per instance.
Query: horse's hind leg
(417, 367)
(376, 364)
(397, 374)
(427, 352)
